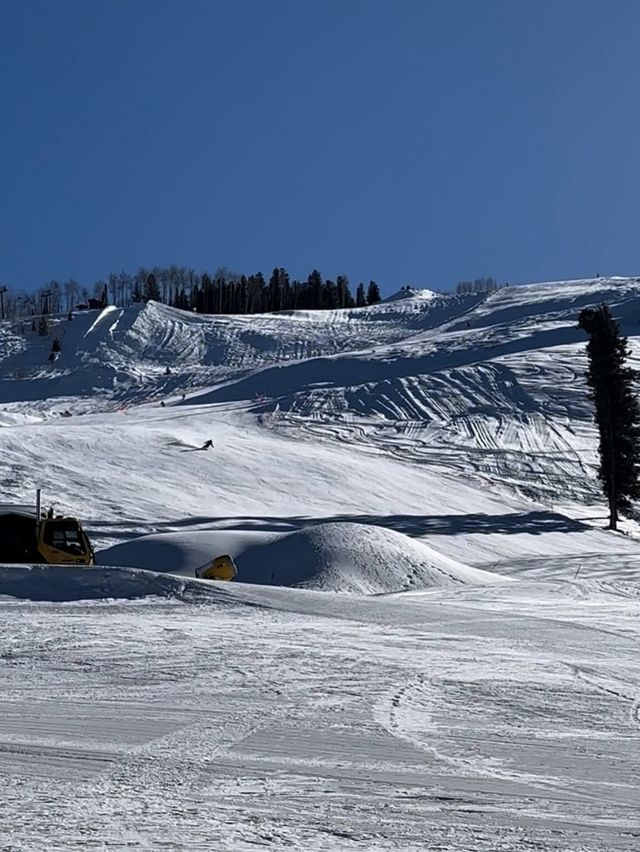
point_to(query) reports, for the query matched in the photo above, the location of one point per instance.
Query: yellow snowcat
(28, 535)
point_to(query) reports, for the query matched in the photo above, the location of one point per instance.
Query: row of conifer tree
(222, 292)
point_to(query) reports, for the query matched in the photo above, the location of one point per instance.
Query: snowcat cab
(28, 535)
(220, 568)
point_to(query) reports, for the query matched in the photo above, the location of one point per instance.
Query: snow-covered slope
(395, 465)
(123, 355)
(280, 718)
(476, 408)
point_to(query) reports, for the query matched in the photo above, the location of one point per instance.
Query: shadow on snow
(512, 523)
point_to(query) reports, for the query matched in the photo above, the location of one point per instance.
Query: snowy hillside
(123, 355)
(432, 640)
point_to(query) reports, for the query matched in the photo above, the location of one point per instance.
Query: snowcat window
(64, 536)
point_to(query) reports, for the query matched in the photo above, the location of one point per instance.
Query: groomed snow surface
(432, 642)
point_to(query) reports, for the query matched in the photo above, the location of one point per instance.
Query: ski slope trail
(143, 473)
(499, 395)
(123, 355)
(471, 723)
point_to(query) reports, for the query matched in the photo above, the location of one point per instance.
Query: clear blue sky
(409, 141)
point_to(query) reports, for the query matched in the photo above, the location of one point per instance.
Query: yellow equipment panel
(220, 568)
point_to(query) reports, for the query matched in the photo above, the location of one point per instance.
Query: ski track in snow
(232, 726)
(172, 714)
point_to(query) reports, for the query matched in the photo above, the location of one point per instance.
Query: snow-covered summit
(408, 292)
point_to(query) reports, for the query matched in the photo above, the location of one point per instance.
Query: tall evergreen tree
(342, 284)
(314, 284)
(330, 295)
(273, 291)
(373, 293)
(285, 290)
(244, 294)
(617, 413)
(151, 291)
(258, 285)
(209, 304)
(219, 289)
(361, 299)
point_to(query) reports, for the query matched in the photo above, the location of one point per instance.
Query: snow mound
(58, 583)
(332, 557)
(339, 557)
(420, 294)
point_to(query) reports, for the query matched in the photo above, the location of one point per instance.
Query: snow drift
(58, 583)
(338, 557)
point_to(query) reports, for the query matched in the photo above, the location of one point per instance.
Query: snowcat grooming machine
(29, 535)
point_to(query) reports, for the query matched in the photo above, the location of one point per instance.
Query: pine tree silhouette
(617, 413)
(373, 293)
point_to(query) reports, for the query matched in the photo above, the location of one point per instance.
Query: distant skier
(207, 445)
(162, 403)
(183, 396)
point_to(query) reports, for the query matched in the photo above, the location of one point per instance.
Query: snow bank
(58, 583)
(17, 418)
(339, 557)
